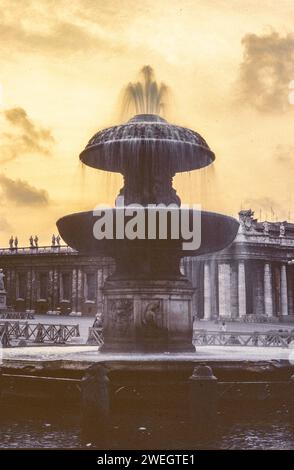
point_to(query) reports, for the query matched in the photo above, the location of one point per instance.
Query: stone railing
(249, 318)
(33, 250)
(11, 315)
(252, 318)
(259, 237)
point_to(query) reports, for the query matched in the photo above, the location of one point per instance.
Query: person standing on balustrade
(223, 329)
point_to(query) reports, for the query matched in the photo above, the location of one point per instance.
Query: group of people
(13, 242)
(34, 241)
(55, 240)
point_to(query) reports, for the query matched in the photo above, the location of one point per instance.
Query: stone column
(8, 287)
(99, 289)
(207, 291)
(290, 298)
(56, 289)
(214, 288)
(186, 267)
(74, 292)
(284, 291)
(224, 285)
(241, 289)
(13, 287)
(50, 291)
(29, 291)
(268, 290)
(33, 290)
(80, 292)
(195, 278)
(234, 290)
(259, 290)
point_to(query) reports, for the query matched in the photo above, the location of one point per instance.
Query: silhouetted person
(223, 326)
(223, 329)
(11, 242)
(98, 321)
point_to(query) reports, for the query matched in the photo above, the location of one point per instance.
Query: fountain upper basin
(147, 137)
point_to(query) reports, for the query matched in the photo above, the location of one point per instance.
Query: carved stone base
(147, 316)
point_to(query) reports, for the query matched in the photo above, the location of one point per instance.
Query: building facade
(254, 276)
(53, 280)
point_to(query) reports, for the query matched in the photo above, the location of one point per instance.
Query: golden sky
(227, 63)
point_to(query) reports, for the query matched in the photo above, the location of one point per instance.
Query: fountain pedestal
(148, 316)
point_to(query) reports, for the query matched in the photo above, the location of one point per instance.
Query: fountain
(147, 301)
(149, 397)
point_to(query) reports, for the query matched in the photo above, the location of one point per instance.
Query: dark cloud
(266, 71)
(23, 136)
(22, 193)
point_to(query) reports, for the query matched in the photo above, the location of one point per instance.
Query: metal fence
(37, 332)
(95, 336)
(264, 339)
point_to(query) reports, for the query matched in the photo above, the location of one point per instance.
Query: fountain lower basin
(216, 232)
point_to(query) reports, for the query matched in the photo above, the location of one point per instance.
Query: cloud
(56, 29)
(4, 225)
(23, 136)
(284, 154)
(266, 71)
(63, 37)
(269, 207)
(22, 193)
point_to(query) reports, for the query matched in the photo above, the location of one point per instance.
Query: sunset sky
(228, 65)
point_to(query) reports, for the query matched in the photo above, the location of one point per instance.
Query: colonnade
(234, 289)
